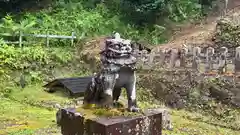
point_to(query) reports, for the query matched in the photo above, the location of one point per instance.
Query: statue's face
(120, 46)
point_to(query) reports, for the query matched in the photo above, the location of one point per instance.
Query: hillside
(31, 110)
(203, 33)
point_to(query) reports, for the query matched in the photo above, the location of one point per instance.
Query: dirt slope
(198, 34)
(193, 34)
(190, 34)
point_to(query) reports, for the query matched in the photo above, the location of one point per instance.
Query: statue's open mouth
(123, 52)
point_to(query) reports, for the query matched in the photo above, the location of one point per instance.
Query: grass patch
(36, 96)
(30, 111)
(24, 113)
(187, 123)
(18, 117)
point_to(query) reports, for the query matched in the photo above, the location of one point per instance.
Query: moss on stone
(92, 111)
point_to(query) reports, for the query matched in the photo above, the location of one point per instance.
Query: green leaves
(176, 10)
(9, 27)
(228, 32)
(135, 19)
(27, 57)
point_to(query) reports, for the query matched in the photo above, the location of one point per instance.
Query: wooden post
(72, 40)
(47, 39)
(20, 38)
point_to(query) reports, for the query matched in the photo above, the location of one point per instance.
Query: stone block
(148, 123)
(71, 123)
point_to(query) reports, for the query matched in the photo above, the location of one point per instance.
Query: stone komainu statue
(118, 71)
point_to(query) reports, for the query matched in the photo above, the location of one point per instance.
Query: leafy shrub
(89, 18)
(35, 61)
(63, 18)
(227, 31)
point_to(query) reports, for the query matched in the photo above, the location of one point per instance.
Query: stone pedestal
(150, 123)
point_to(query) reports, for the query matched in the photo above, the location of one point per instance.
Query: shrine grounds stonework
(147, 123)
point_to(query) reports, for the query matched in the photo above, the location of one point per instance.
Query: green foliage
(227, 32)
(176, 10)
(17, 58)
(134, 19)
(65, 18)
(23, 132)
(150, 12)
(29, 57)
(33, 62)
(8, 25)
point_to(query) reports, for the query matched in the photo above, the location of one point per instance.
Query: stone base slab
(73, 123)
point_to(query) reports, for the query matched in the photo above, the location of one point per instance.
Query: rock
(166, 119)
(148, 123)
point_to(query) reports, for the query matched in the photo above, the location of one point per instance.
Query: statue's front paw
(134, 109)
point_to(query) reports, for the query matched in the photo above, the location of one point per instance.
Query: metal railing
(46, 36)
